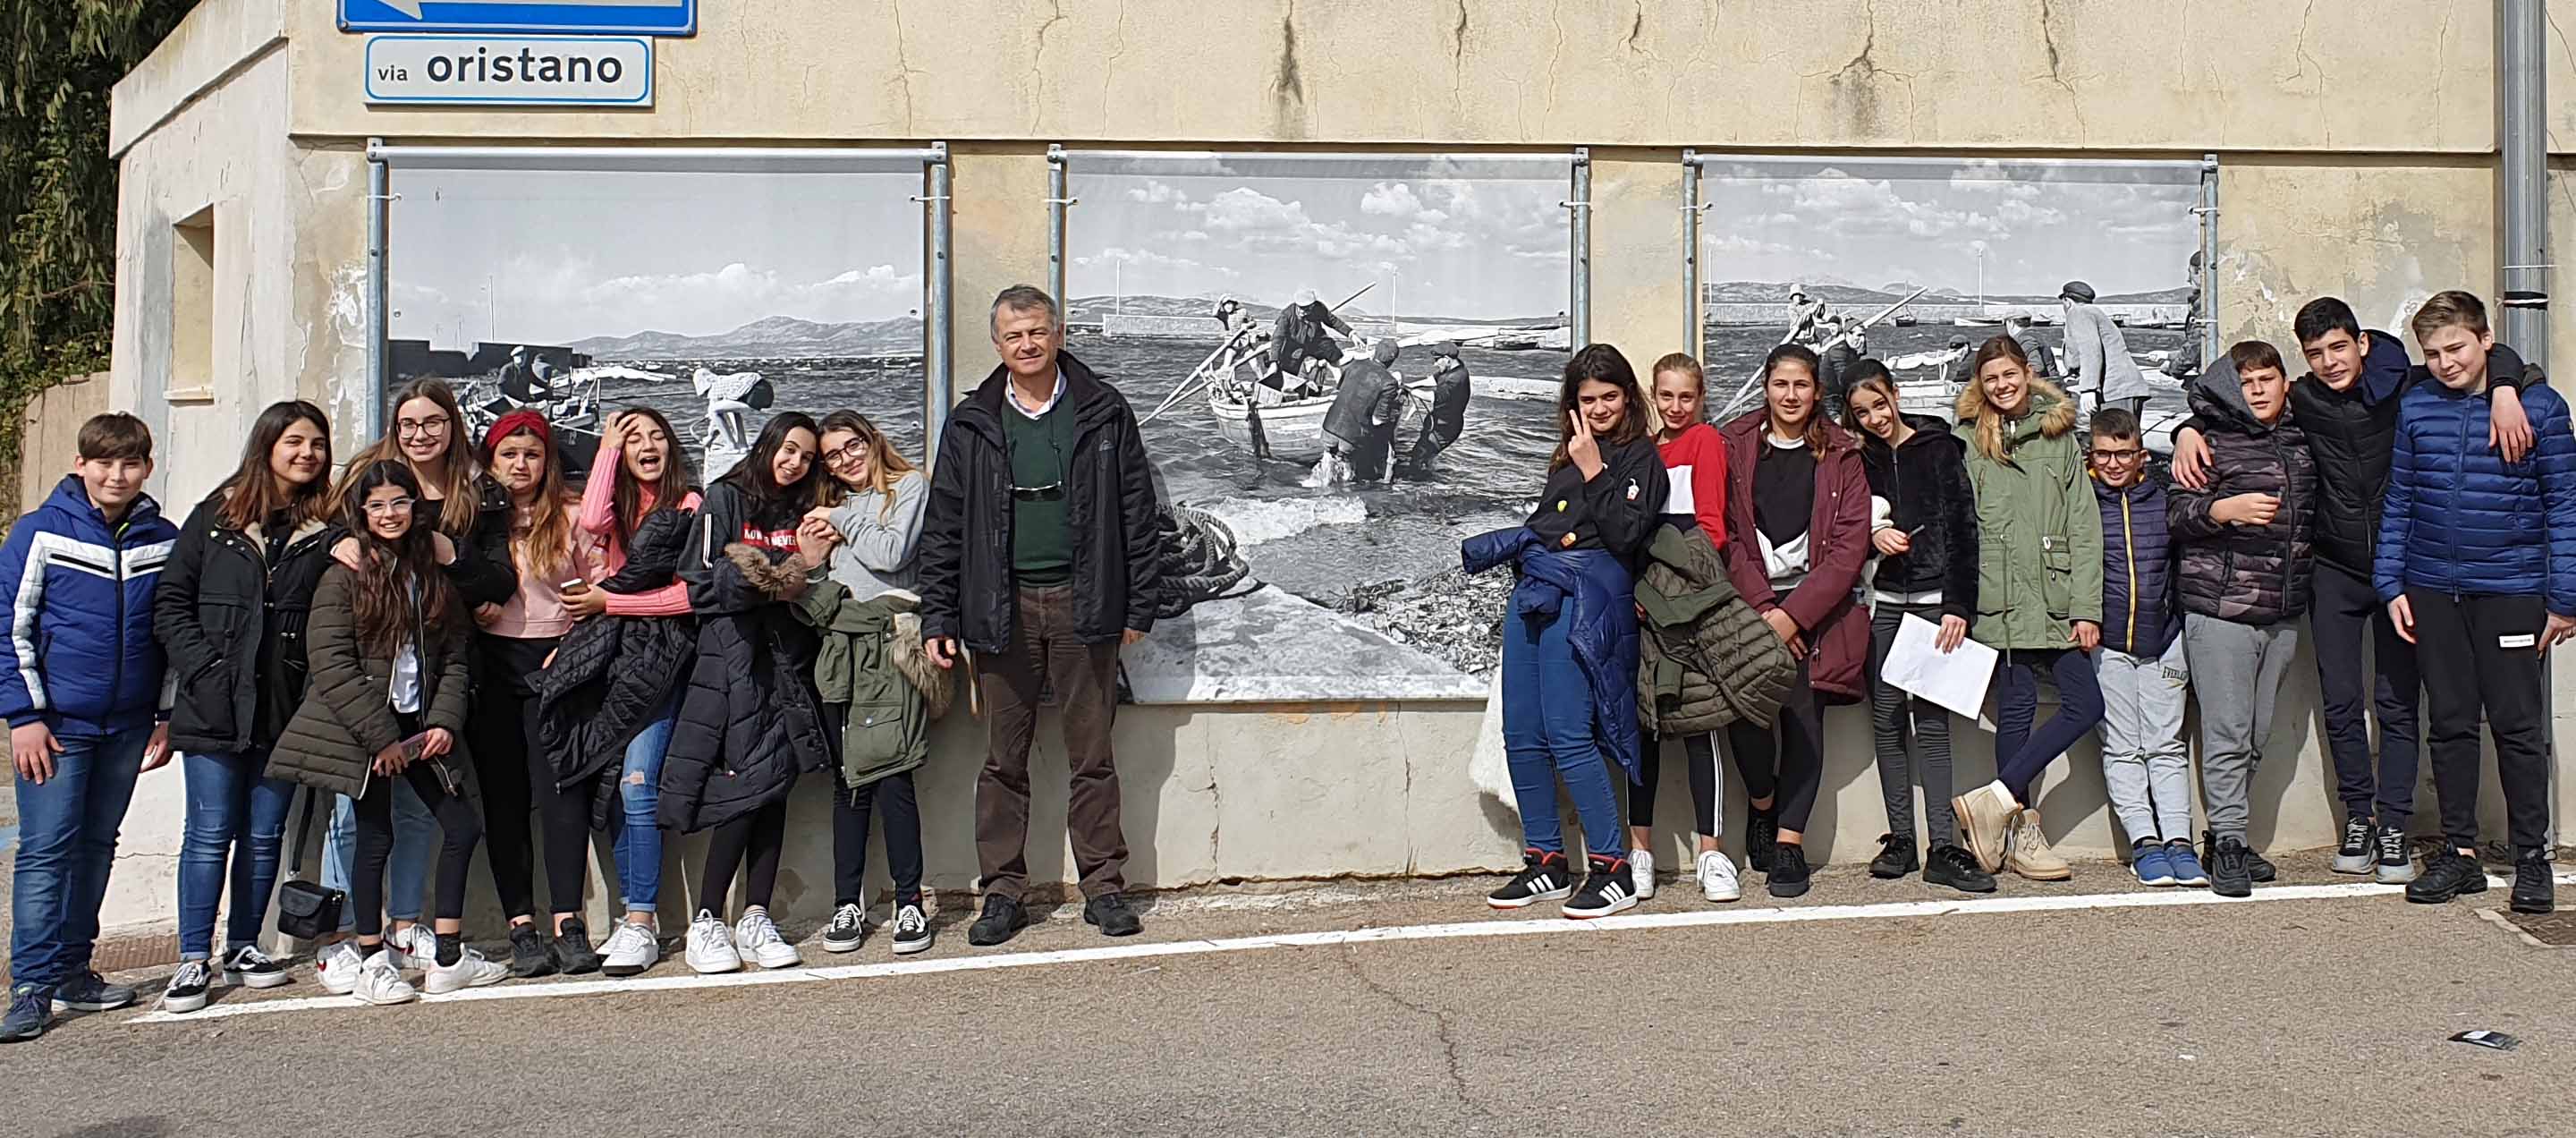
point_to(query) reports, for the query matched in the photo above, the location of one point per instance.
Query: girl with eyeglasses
(871, 672)
(750, 721)
(386, 704)
(425, 437)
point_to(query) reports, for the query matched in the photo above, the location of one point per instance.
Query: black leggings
(1702, 750)
(752, 842)
(459, 830)
(566, 816)
(893, 796)
(510, 764)
(1788, 760)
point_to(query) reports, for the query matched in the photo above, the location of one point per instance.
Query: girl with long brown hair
(2039, 595)
(387, 702)
(873, 499)
(1797, 536)
(230, 610)
(550, 559)
(1569, 675)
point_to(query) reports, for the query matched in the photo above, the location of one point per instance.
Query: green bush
(58, 61)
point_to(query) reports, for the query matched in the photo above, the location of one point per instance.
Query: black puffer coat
(612, 675)
(2244, 573)
(482, 572)
(218, 601)
(750, 721)
(1925, 483)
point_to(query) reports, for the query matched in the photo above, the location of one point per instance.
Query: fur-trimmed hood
(2054, 411)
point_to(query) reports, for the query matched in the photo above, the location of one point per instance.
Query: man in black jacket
(1039, 560)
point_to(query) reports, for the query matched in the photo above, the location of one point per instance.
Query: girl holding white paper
(1926, 541)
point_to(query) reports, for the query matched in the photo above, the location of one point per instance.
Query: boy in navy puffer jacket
(2477, 562)
(88, 709)
(2145, 680)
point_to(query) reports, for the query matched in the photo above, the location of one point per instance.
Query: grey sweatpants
(2145, 765)
(2236, 669)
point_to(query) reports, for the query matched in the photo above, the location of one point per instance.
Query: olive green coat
(871, 664)
(346, 718)
(2039, 532)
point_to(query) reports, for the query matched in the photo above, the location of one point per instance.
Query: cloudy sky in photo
(2121, 229)
(1484, 240)
(552, 257)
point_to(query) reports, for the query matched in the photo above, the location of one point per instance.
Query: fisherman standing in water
(1804, 315)
(1304, 332)
(1447, 418)
(1359, 431)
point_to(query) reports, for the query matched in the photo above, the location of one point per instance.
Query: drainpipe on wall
(2522, 190)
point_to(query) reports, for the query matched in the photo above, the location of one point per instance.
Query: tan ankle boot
(2030, 855)
(1985, 819)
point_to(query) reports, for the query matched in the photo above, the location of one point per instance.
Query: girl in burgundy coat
(1797, 535)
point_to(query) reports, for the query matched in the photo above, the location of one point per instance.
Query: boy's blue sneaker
(30, 1007)
(2153, 867)
(90, 992)
(2185, 865)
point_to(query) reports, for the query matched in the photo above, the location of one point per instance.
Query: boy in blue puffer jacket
(88, 710)
(2477, 563)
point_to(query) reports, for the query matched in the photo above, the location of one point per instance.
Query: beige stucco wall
(2355, 139)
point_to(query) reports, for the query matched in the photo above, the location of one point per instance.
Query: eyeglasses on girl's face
(429, 428)
(849, 453)
(382, 507)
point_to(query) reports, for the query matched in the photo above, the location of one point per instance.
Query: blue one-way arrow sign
(569, 17)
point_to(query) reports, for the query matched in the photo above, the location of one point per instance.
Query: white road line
(1487, 928)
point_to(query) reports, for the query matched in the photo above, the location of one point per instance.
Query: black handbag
(306, 910)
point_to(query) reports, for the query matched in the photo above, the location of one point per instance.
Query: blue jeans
(638, 844)
(2021, 754)
(235, 814)
(1547, 734)
(416, 834)
(66, 846)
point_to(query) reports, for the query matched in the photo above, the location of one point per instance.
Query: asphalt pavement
(2319, 1007)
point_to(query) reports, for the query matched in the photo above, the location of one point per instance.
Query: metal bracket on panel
(926, 199)
(1061, 201)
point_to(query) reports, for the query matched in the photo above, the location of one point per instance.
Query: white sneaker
(711, 945)
(1717, 877)
(755, 938)
(631, 949)
(469, 971)
(337, 968)
(414, 948)
(1641, 873)
(379, 983)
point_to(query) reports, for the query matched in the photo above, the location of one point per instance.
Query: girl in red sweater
(1695, 458)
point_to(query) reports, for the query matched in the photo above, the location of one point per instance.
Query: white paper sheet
(1956, 680)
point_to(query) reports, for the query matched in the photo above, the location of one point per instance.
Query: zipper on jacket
(2129, 549)
(2458, 486)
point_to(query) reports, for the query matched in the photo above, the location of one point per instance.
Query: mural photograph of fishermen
(713, 297)
(1347, 363)
(2092, 267)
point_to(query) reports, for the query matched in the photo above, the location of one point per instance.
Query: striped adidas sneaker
(1608, 889)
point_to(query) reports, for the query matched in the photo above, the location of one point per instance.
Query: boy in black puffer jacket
(2244, 578)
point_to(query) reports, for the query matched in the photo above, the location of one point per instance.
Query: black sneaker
(1109, 912)
(2396, 856)
(570, 950)
(1003, 919)
(187, 990)
(1608, 889)
(1761, 837)
(528, 955)
(1543, 877)
(912, 932)
(2231, 873)
(1895, 858)
(1788, 874)
(2533, 891)
(2359, 852)
(849, 926)
(2261, 870)
(2446, 875)
(1952, 865)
